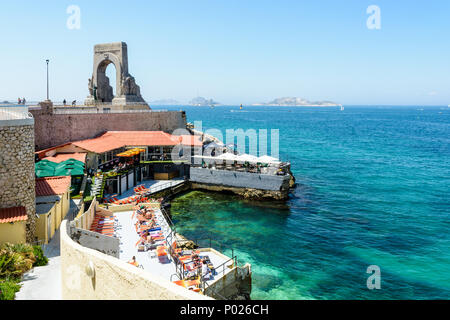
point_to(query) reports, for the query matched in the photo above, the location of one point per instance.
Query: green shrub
(88, 198)
(15, 260)
(41, 260)
(8, 289)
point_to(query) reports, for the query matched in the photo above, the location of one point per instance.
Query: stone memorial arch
(100, 90)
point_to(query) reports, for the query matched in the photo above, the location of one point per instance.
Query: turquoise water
(373, 189)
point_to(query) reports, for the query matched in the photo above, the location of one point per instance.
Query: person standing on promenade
(19, 101)
(64, 102)
(23, 101)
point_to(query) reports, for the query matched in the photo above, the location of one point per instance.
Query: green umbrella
(70, 167)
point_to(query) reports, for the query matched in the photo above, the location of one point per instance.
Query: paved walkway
(44, 283)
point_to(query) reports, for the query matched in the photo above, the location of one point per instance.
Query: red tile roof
(111, 140)
(50, 186)
(13, 214)
(41, 153)
(60, 157)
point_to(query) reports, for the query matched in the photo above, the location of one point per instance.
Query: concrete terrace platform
(150, 262)
(153, 185)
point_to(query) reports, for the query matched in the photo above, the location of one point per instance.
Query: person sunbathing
(150, 240)
(134, 262)
(206, 273)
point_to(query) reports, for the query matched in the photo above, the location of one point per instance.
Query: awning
(228, 157)
(70, 167)
(247, 158)
(268, 159)
(131, 152)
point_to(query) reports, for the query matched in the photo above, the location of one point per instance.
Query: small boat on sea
(342, 107)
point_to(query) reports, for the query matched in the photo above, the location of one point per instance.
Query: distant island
(169, 102)
(294, 101)
(202, 102)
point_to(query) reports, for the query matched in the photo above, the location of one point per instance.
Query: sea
(368, 219)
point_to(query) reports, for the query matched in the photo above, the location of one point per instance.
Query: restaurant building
(126, 158)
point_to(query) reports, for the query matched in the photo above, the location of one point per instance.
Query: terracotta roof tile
(13, 214)
(41, 153)
(111, 140)
(60, 157)
(52, 185)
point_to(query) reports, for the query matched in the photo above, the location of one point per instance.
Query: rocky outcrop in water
(247, 193)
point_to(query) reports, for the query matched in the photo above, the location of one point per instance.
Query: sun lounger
(161, 251)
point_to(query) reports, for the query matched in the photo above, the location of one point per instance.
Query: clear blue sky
(235, 51)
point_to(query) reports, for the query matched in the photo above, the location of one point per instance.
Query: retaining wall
(56, 129)
(239, 179)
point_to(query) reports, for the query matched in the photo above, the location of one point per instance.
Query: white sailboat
(342, 107)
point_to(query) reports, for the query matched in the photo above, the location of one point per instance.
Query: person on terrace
(133, 262)
(206, 273)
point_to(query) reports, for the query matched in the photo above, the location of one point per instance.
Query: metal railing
(175, 274)
(204, 285)
(168, 219)
(220, 247)
(90, 110)
(99, 103)
(225, 265)
(166, 185)
(233, 168)
(15, 113)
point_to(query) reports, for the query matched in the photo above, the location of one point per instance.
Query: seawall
(248, 185)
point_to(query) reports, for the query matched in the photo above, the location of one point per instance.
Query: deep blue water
(373, 189)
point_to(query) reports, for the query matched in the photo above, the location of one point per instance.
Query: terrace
(146, 232)
(15, 116)
(242, 163)
(165, 264)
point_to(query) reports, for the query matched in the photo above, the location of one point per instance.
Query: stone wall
(236, 284)
(17, 184)
(239, 179)
(53, 129)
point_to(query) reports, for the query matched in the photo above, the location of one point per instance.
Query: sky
(234, 51)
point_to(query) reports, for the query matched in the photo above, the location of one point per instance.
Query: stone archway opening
(111, 74)
(101, 86)
(104, 90)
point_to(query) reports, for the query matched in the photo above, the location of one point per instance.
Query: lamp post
(47, 76)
